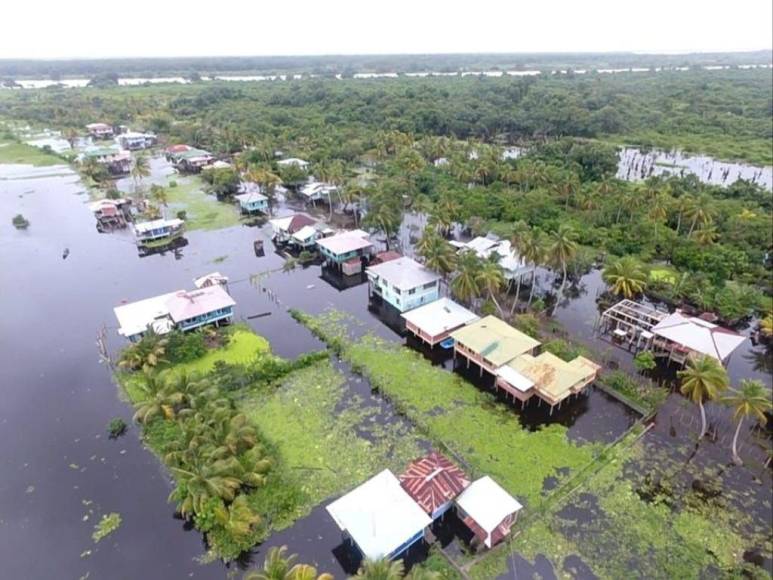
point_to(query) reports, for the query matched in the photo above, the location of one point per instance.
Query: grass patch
(21, 153)
(663, 274)
(203, 211)
(455, 415)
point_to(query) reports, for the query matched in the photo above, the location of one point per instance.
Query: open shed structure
(488, 510)
(434, 481)
(379, 517)
(434, 322)
(675, 337)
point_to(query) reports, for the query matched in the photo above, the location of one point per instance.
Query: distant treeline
(339, 64)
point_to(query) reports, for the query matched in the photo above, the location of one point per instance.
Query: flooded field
(636, 165)
(61, 470)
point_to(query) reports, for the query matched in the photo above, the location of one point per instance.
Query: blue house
(346, 251)
(403, 283)
(252, 202)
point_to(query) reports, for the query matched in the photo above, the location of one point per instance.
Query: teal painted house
(403, 283)
(252, 202)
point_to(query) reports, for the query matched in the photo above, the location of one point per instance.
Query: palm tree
(160, 195)
(277, 566)
(766, 325)
(658, 211)
(751, 400)
(267, 180)
(701, 211)
(156, 399)
(384, 214)
(383, 569)
(626, 276)
(438, 255)
(703, 380)
(201, 479)
(465, 284)
(491, 278)
(533, 251)
(562, 250)
(705, 235)
(140, 170)
(146, 354)
(683, 206)
(519, 232)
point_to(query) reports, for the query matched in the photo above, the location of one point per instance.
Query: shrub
(182, 215)
(20, 222)
(172, 183)
(644, 361)
(185, 346)
(563, 349)
(527, 323)
(116, 427)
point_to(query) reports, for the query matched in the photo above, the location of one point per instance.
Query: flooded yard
(61, 470)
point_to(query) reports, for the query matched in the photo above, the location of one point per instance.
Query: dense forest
(348, 64)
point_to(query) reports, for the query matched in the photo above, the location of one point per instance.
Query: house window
(429, 285)
(412, 291)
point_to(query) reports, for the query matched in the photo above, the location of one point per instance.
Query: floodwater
(60, 470)
(636, 165)
(133, 81)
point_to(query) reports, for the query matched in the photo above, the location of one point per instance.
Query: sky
(46, 29)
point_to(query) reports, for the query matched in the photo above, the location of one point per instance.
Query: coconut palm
(201, 479)
(683, 206)
(751, 400)
(702, 380)
(626, 276)
(383, 569)
(238, 518)
(658, 211)
(519, 232)
(766, 325)
(466, 285)
(140, 170)
(701, 212)
(277, 566)
(146, 354)
(562, 250)
(533, 251)
(491, 278)
(384, 214)
(705, 235)
(267, 180)
(437, 254)
(155, 399)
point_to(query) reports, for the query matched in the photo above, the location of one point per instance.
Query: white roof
(135, 317)
(281, 223)
(315, 188)
(404, 273)
(345, 242)
(250, 197)
(379, 515)
(514, 378)
(481, 245)
(440, 316)
(698, 335)
(305, 233)
(487, 503)
(292, 161)
(152, 225)
(163, 311)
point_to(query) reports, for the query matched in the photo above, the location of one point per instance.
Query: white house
(379, 517)
(488, 510)
(404, 283)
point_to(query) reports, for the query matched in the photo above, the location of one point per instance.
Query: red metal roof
(178, 148)
(433, 480)
(299, 222)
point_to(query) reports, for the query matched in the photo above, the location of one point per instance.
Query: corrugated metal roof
(433, 480)
(494, 339)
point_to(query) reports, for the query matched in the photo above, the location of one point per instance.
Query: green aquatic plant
(106, 526)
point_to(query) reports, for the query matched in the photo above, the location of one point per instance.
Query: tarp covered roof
(699, 335)
(379, 515)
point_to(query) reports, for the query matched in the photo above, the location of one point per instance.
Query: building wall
(406, 299)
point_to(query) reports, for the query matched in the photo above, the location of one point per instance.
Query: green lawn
(663, 274)
(457, 415)
(21, 153)
(203, 211)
